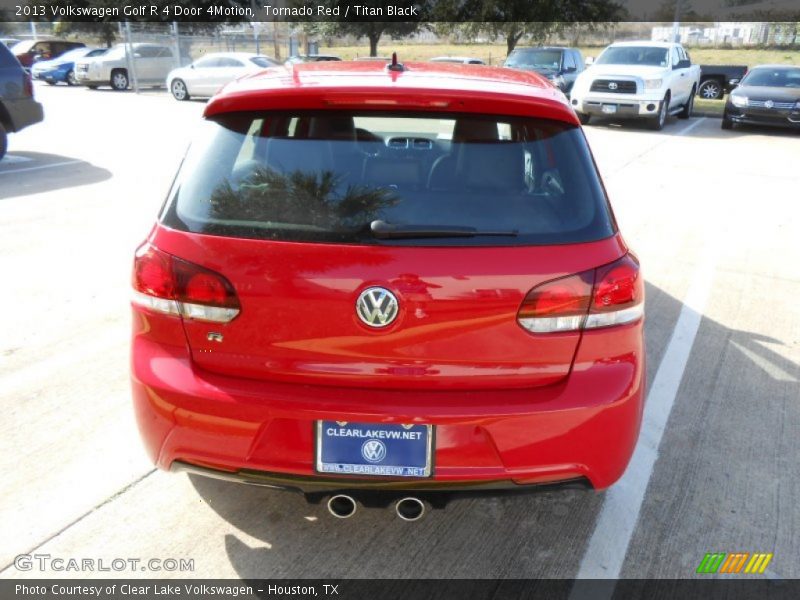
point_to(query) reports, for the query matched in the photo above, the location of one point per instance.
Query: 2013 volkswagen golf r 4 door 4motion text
(402, 279)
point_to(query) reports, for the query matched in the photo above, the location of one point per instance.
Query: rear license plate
(609, 109)
(374, 449)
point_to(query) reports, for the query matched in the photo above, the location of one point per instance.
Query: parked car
(462, 60)
(18, 109)
(205, 76)
(152, 63)
(560, 65)
(433, 296)
(28, 52)
(768, 95)
(718, 80)
(312, 58)
(643, 80)
(62, 69)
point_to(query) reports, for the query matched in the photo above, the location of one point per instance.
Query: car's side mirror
(570, 69)
(682, 64)
(589, 61)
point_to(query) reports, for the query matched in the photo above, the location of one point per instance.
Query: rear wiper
(385, 231)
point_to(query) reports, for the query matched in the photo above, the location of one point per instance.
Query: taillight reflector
(604, 297)
(169, 285)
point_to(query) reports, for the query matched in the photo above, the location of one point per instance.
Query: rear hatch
(320, 222)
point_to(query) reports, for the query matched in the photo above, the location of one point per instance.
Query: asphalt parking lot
(714, 218)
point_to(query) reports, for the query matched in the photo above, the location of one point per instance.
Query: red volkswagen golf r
(392, 279)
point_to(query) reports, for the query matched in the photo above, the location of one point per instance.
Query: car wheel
(710, 89)
(179, 91)
(119, 80)
(584, 118)
(71, 78)
(726, 121)
(658, 123)
(688, 108)
(3, 141)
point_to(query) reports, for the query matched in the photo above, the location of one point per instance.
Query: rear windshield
(633, 55)
(534, 59)
(436, 179)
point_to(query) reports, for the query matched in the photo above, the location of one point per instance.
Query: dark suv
(560, 65)
(30, 51)
(18, 109)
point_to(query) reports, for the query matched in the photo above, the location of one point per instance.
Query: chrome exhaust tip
(410, 509)
(342, 506)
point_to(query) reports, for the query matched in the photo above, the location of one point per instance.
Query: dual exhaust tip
(343, 506)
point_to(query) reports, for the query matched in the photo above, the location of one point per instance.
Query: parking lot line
(38, 167)
(619, 515)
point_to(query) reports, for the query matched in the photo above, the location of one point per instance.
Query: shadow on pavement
(540, 535)
(25, 173)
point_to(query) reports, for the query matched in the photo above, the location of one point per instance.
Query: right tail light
(604, 297)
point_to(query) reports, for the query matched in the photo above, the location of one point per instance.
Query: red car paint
(508, 405)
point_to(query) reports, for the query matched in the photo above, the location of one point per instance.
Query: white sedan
(205, 76)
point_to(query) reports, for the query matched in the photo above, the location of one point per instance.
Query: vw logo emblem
(377, 307)
(769, 104)
(613, 85)
(373, 451)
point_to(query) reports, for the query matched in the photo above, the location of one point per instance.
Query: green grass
(711, 108)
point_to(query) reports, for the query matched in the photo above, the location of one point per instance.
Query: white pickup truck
(638, 80)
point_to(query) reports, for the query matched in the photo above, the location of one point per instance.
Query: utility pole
(676, 23)
(129, 57)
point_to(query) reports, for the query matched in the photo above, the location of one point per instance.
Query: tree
(372, 30)
(360, 25)
(107, 28)
(515, 19)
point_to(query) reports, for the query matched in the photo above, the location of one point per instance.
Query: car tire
(3, 141)
(119, 80)
(688, 108)
(657, 124)
(70, 78)
(726, 121)
(178, 89)
(711, 89)
(584, 118)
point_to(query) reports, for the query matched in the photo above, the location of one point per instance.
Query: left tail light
(604, 297)
(27, 85)
(167, 284)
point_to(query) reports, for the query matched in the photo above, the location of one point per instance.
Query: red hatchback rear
(400, 278)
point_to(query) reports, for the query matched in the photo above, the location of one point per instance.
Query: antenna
(394, 65)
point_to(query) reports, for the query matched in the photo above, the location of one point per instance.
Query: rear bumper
(584, 428)
(24, 112)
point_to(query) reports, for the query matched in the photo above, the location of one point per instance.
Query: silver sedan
(205, 76)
